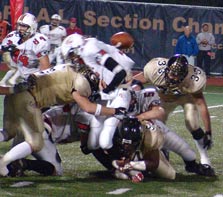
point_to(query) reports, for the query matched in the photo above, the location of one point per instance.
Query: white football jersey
(95, 53)
(55, 35)
(29, 51)
(147, 98)
(59, 119)
(194, 82)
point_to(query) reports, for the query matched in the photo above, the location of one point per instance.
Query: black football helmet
(92, 78)
(129, 136)
(176, 70)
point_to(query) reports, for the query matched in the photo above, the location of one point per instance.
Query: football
(122, 40)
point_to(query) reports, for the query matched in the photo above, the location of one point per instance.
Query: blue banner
(155, 27)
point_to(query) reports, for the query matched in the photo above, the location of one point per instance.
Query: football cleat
(85, 150)
(201, 169)
(16, 168)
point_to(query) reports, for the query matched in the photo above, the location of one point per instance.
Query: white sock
(17, 152)
(203, 153)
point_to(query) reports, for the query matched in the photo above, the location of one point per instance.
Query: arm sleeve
(119, 72)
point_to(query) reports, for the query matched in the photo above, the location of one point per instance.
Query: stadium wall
(155, 27)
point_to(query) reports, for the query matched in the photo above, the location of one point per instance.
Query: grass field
(83, 176)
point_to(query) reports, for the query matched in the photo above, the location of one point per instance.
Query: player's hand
(32, 80)
(20, 87)
(122, 165)
(102, 85)
(208, 143)
(139, 177)
(10, 48)
(120, 111)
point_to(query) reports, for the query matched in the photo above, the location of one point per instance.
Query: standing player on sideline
(56, 33)
(181, 84)
(26, 51)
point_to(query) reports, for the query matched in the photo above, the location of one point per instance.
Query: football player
(59, 85)
(181, 84)
(113, 68)
(150, 108)
(26, 51)
(56, 33)
(139, 146)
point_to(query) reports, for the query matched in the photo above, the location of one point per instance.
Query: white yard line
(210, 107)
(119, 191)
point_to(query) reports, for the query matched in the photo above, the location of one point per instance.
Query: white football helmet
(27, 20)
(55, 20)
(72, 44)
(56, 17)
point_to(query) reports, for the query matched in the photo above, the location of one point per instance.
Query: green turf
(83, 176)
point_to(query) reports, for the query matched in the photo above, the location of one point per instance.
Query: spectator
(73, 27)
(5, 28)
(187, 45)
(205, 40)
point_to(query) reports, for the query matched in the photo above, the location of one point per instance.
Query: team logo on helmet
(90, 76)
(129, 136)
(176, 70)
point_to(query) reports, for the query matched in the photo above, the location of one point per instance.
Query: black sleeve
(110, 64)
(117, 80)
(119, 77)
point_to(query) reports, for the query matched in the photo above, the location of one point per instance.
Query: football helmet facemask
(26, 25)
(71, 47)
(176, 70)
(129, 134)
(92, 78)
(55, 20)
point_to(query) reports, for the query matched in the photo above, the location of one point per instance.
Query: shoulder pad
(154, 71)
(195, 81)
(82, 85)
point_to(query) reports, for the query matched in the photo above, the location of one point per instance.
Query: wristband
(98, 110)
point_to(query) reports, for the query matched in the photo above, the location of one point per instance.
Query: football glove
(11, 48)
(20, 87)
(139, 177)
(32, 80)
(120, 111)
(208, 140)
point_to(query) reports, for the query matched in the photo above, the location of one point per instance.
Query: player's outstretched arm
(94, 108)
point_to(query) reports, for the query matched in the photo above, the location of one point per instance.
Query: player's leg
(122, 99)
(192, 123)
(29, 119)
(165, 169)
(50, 153)
(96, 125)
